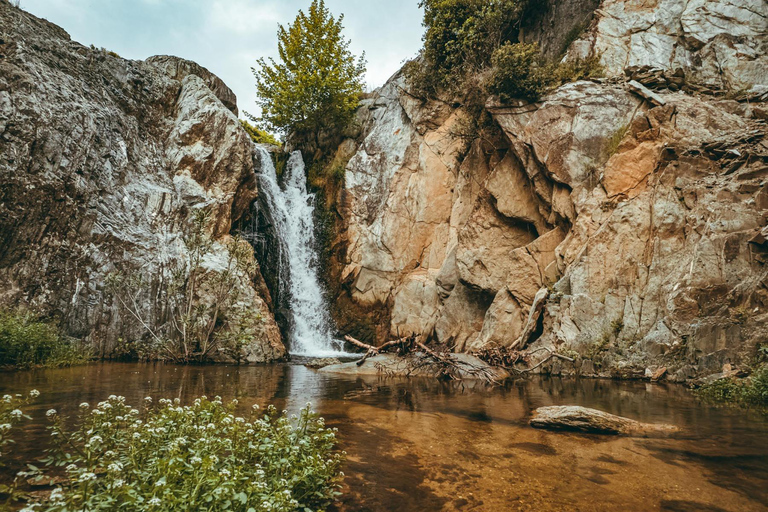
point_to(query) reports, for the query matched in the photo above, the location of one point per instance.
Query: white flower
(235, 401)
(34, 393)
(225, 472)
(112, 397)
(119, 483)
(84, 405)
(93, 441)
(115, 467)
(155, 501)
(147, 398)
(214, 459)
(196, 460)
(16, 413)
(87, 477)
(136, 435)
(57, 495)
(176, 401)
(7, 398)
(71, 467)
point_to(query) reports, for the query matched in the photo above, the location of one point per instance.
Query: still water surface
(420, 445)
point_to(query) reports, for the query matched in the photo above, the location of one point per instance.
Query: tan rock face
(103, 162)
(637, 218)
(599, 223)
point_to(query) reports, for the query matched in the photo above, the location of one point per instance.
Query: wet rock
(322, 362)
(593, 421)
(391, 365)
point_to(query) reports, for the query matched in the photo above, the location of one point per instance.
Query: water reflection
(424, 445)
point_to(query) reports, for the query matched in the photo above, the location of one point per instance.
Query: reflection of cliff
(637, 226)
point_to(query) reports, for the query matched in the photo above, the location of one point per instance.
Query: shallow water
(420, 445)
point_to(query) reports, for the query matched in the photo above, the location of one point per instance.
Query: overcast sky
(227, 36)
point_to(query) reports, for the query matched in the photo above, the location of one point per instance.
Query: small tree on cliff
(316, 84)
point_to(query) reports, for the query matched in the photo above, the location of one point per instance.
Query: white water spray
(292, 208)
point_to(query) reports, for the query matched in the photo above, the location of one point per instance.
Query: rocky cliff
(103, 162)
(623, 225)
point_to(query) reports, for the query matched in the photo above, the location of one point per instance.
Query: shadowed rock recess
(596, 222)
(103, 162)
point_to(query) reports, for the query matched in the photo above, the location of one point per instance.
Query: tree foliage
(471, 49)
(258, 135)
(316, 82)
(460, 38)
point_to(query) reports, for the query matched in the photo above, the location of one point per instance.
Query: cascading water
(291, 210)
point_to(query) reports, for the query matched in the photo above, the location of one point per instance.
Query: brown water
(420, 445)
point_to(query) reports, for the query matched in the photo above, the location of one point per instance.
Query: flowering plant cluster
(199, 457)
(11, 415)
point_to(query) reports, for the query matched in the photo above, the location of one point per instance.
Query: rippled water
(420, 445)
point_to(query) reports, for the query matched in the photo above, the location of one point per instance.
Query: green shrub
(519, 71)
(461, 36)
(258, 135)
(466, 38)
(198, 457)
(26, 341)
(749, 392)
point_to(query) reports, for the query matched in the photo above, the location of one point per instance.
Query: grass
(27, 341)
(748, 392)
(615, 141)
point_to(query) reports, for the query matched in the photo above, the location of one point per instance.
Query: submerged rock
(592, 421)
(322, 362)
(391, 365)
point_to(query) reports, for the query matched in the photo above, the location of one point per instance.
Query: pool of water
(421, 445)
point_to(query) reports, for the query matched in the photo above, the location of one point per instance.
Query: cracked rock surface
(642, 227)
(103, 162)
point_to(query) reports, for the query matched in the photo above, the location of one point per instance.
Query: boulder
(593, 421)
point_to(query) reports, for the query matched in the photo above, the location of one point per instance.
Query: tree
(317, 82)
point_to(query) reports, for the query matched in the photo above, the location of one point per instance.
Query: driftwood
(400, 343)
(442, 365)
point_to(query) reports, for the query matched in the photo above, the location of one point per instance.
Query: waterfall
(291, 210)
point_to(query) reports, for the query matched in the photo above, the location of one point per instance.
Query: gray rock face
(103, 162)
(641, 227)
(719, 44)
